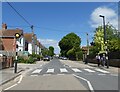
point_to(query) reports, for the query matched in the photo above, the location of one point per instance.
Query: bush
(29, 60)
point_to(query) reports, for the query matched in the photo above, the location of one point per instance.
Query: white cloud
(51, 42)
(110, 16)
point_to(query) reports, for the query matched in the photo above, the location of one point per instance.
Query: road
(58, 75)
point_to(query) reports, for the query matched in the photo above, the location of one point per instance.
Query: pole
(32, 38)
(17, 35)
(107, 61)
(87, 44)
(16, 59)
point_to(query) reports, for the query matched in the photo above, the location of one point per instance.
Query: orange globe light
(17, 35)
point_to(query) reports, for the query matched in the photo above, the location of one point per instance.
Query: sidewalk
(81, 64)
(8, 74)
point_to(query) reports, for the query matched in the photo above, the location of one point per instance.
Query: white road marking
(88, 70)
(63, 70)
(21, 77)
(103, 71)
(114, 74)
(33, 75)
(46, 74)
(37, 71)
(101, 74)
(88, 82)
(76, 70)
(50, 71)
(10, 87)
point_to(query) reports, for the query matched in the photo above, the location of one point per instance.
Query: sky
(53, 20)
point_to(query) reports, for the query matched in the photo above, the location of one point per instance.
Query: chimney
(4, 26)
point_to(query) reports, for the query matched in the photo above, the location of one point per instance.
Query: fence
(7, 58)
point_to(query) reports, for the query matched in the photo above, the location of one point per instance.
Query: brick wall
(9, 44)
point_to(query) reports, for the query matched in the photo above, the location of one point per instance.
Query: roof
(10, 32)
(85, 48)
(28, 37)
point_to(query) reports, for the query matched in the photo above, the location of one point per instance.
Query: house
(38, 48)
(8, 45)
(31, 42)
(8, 39)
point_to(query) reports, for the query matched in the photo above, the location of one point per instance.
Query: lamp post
(105, 40)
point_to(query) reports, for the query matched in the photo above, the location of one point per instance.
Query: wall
(30, 48)
(9, 44)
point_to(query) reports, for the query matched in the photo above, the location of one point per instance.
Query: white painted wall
(21, 44)
(30, 48)
(38, 50)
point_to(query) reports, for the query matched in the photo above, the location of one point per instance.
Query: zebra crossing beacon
(17, 36)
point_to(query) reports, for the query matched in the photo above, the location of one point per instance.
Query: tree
(69, 45)
(44, 52)
(113, 39)
(51, 51)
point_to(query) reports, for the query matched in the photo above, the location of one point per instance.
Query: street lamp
(105, 38)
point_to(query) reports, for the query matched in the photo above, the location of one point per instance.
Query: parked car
(64, 58)
(46, 58)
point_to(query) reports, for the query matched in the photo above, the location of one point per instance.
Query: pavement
(90, 65)
(8, 74)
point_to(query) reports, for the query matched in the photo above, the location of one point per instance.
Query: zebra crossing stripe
(88, 70)
(63, 70)
(76, 70)
(37, 71)
(50, 70)
(103, 71)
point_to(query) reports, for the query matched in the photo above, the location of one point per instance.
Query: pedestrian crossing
(70, 71)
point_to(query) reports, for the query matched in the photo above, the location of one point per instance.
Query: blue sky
(53, 20)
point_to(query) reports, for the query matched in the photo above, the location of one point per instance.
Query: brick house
(8, 44)
(8, 39)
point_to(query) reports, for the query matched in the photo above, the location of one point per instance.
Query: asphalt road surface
(55, 75)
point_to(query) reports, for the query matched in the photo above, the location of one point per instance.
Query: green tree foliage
(69, 45)
(51, 51)
(44, 51)
(113, 39)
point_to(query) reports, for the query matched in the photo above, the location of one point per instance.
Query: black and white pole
(17, 35)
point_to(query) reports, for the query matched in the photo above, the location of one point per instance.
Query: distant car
(64, 58)
(46, 58)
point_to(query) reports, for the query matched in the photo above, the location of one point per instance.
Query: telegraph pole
(86, 58)
(87, 44)
(32, 38)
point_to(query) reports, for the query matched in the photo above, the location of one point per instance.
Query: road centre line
(88, 82)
